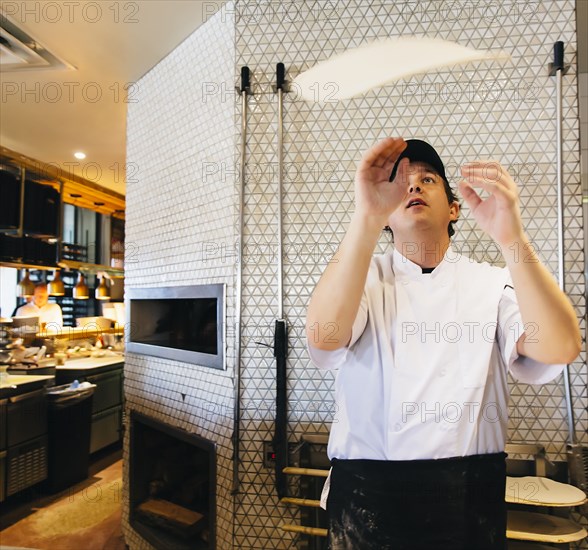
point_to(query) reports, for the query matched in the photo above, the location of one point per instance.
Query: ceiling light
(81, 290)
(102, 290)
(25, 287)
(56, 287)
(80, 155)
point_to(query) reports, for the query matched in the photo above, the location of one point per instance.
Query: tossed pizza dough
(358, 70)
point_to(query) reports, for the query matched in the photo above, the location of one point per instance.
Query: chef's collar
(405, 268)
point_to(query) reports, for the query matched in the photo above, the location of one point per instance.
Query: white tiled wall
(181, 215)
(181, 212)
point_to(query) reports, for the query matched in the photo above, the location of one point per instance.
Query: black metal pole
(244, 90)
(280, 442)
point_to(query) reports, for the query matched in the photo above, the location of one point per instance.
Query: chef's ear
(454, 210)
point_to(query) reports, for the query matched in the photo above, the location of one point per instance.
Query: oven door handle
(25, 396)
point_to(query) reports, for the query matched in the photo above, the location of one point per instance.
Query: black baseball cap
(418, 150)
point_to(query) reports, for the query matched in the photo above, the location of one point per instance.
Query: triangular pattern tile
(491, 110)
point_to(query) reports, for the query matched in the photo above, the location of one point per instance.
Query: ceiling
(48, 114)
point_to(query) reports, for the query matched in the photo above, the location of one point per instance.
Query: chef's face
(41, 296)
(425, 205)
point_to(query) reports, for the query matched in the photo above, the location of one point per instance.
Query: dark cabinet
(10, 203)
(41, 210)
(107, 404)
(26, 417)
(69, 438)
(23, 447)
(28, 250)
(42, 205)
(11, 248)
(106, 428)
(107, 409)
(108, 392)
(39, 252)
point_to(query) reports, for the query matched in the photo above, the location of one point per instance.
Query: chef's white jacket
(50, 314)
(425, 373)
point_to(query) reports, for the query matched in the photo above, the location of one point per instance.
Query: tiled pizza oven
(182, 206)
(178, 214)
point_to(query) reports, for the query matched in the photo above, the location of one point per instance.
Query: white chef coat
(425, 373)
(50, 314)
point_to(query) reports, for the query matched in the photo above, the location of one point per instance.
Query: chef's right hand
(375, 195)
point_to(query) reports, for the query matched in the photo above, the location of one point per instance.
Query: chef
(423, 339)
(50, 315)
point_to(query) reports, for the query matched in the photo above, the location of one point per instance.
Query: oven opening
(172, 486)
(180, 323)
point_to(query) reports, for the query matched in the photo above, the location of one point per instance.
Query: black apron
(445, 504)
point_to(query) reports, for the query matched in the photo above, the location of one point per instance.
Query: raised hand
(498, 214)
(375, 195)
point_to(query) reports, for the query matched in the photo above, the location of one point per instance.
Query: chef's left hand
(498, 214)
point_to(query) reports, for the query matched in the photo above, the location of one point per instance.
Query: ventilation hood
(21, 52)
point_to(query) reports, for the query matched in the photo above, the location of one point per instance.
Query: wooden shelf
(70, 265)
(75, 333)
(305, 471)
(301, 502)
(90, 268)
(314, 531)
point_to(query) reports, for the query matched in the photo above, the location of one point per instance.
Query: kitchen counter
(16, 384)
(91, 363)
(86, 365)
